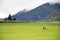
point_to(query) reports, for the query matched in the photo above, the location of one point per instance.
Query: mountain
(39, 13)
(55, 16)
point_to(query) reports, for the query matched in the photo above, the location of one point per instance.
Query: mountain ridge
(38, 13)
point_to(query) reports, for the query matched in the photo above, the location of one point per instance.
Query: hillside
(55, 16)
(39, 13)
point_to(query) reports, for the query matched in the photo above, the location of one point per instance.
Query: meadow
(30, 31)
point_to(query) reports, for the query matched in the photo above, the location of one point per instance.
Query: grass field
(30, 31)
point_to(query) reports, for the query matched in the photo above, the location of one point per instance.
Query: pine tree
(14, 18)
(9, 17)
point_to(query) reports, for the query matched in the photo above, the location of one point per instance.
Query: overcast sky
(14, 6)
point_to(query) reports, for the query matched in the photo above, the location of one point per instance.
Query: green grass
(30, 31)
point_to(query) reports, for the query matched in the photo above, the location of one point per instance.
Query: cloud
(53, 1)
(13, 6)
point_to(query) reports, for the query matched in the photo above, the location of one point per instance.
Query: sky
(13, 6)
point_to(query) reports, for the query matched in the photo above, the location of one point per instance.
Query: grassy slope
(29, 31)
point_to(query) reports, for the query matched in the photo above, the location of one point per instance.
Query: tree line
(10, 18)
